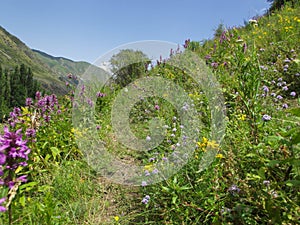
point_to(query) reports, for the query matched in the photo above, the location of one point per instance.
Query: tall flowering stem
(13, 154)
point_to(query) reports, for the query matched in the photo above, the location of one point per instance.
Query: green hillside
(50, 71)
(60, 65)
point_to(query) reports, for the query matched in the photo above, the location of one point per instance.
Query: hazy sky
(86, 29)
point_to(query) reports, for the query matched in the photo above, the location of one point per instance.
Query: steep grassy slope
(50, 71)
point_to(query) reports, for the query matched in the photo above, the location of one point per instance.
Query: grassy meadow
(253, 179)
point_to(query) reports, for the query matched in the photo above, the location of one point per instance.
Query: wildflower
(285, 88)
(146, 199)
(155, 171)
(266, 182)
(2, 208)
(280, 79)
(243, 117)
(152, 159)
(147, 173)
(279, 97)
(100, 95)
(274, 194)
(186, 43)
(220, 156)
(13, 154)
(214, 64)
(234, 189)
(293, 94)
(144, 183)
(273, 94)
(208, 57)
(117, 218)
(265, 89)
(148, 138)
(98, 127)
(285, 106)
(156, 107)
(30, 133)
(28, 101)
(212, 144)
(266, 117)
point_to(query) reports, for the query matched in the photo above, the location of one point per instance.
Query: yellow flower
(117, 218)
(212, 144)
(149, 167)
(242, 117)
(220, 156)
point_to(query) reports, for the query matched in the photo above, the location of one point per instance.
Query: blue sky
(87, 29)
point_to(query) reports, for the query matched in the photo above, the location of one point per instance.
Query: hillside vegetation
(49, 70)
(254, 177)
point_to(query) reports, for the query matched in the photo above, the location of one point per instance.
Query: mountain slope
(50, 71)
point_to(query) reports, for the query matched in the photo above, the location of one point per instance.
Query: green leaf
(22, 200)
(28, 186)
(293, 183)
(174, 198)
(166, 189)
(55, 151)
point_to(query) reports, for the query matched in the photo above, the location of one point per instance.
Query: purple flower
(2, 208)
(30, 133)
(214, 64)
(265, 89)
(37, 95)
(144, 183)
(147, 173)
(13, 153)
(100, 95)
(293, 94)
(285, 106)
(146, 199)
(266, 117)
(279, 97)
(155, 171)
(234, 189)
(285, 88)
(152, 159)
(156, 107)
(28, 101)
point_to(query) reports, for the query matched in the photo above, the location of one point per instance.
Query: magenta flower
(13, 153)
(2, 208)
